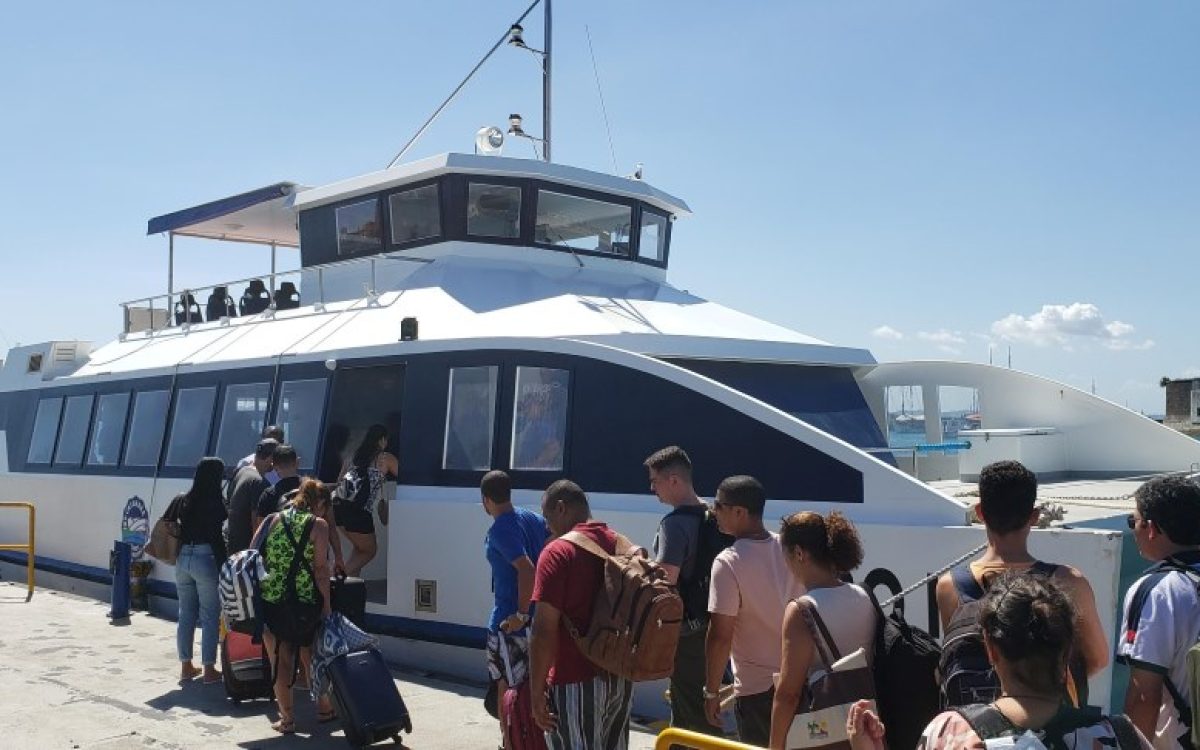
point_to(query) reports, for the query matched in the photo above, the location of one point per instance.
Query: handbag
(165, 541)
(830, 692)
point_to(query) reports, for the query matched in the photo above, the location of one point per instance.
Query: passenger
(512, 546)
(201, 515)
(270, 432)
(247, 487)
(372, 460)
(294, 604)
(538, 445)
(678, 547)
(577, 705)
(1028, 627)
(820, 550)
(751, 587)
(287, 466)
(1007, 498)
(1166, 528)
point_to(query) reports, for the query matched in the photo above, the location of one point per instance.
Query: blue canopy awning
(263, 216)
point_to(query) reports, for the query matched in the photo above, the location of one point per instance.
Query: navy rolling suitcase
(366, 698)
(349, 597)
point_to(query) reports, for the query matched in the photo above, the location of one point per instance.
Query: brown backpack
(636, 614)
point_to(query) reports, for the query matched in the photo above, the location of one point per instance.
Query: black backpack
(967, 675)
(710, 541)
(354, 489)
(989, 723)
(905, 664)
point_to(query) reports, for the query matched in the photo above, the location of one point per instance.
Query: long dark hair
(1032, 622)
(368, 449)
(206, 484)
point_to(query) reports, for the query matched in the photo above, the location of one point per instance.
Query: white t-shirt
(1169, 626)
(751, 581)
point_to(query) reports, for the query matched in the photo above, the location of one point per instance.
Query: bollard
(119, 562)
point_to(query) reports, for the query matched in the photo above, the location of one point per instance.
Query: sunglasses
(1132, 521)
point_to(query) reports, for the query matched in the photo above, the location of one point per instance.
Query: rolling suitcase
(245, 670)
(366, 698)
(349, 596)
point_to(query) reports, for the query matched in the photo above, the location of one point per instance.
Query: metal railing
(28, 546)
(697, 741)
(148, 306)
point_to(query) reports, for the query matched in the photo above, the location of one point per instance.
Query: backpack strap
(986, 720)
(1128, 737)
(584, 542)
(965, 585)
(1043, 568)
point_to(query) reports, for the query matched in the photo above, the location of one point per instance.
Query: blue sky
(926, 179)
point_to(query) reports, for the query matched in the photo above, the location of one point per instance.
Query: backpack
(967, 675)
(710, 541)
(354, 488)
(239, 585)
(990, 724)
(905, 663)
(636, 615)
(1136, 605)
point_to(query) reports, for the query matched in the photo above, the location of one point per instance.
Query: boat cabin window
(190, 426)
(108, 429)
(652, 243)
(359, 230)
(243, 418)
(415, 214)
(539, 429)
(301, 403)
(45, 430)
(470, 418)
(73, 434)
(582, 223)
(146, 430)
(493, 210)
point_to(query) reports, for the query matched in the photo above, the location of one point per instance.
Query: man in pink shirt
(751, 586)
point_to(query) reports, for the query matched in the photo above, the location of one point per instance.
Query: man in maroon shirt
(579, 706)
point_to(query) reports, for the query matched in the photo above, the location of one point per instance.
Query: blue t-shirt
(521, 533)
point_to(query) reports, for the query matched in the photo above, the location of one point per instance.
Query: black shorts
(354, 520)
(279, 622)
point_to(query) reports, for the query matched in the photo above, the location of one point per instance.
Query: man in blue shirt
(512, 546)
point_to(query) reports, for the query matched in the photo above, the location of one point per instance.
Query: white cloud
(946, 341)
(1060, 325)
(888, 333)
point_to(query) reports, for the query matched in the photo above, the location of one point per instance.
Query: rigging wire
(603, 109)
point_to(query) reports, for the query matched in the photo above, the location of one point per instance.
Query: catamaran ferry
(516, 314)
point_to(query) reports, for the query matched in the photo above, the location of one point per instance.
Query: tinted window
(301, 403)
(190, 425)
(652, 244)
(470, 419)
(242, 420)
(108, 429)
(146, 430)
(45, 429)
(582, 223)
(358, 228)
(493, 210)
(540, 419)
(416, 214)
(73, 435)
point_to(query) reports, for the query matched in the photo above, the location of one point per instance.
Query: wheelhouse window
(539, 428)
(301, 403)
(73, 435)
(652, 242)
(582, 223)
(470, 418)
(108, 429)
(415, 215)
(359, 229)
(190, 426)
(493, 210)
(45, 430)
(147, 428)
(242, 420)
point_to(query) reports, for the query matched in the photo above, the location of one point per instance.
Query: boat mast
(546, 87)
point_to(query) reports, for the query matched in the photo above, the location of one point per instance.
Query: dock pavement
(70, 678)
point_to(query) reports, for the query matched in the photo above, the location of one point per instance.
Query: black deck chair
(286, 296)
(220, 304)
(255, 299)
(187, 310)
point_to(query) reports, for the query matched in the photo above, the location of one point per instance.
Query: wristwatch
(708, 696)
(523, 617)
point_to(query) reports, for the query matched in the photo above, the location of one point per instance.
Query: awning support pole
(272, 270)
(170, 278)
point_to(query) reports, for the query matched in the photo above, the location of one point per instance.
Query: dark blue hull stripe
(445, 633)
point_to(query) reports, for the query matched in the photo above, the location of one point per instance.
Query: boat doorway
(364, 396)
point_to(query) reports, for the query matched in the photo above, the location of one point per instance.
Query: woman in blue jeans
(201, 514)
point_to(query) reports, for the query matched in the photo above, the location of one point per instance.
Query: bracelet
(708, 696)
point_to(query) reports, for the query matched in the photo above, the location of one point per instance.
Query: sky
(929, 180)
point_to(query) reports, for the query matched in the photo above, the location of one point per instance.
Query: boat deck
(1082, 500)
(70, 679)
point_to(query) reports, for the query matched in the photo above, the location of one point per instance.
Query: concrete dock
(71, 679)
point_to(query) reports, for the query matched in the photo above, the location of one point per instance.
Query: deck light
(514, 35)
(514, 126)
(408, 329)
(489, 141)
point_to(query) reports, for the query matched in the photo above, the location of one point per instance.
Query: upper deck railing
(259, 295)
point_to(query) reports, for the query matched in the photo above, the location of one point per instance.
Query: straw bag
(165, 539)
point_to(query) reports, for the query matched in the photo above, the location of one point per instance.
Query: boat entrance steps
(27, 546)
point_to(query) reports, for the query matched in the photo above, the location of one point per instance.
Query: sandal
(324, 717)
(284, 725)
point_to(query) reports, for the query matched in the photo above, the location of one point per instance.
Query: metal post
(321, 284)
(170, 278)
(546, 88)
(272, 270)
(122, 557)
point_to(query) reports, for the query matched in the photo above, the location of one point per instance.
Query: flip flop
(324, 717)
(284, 726)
